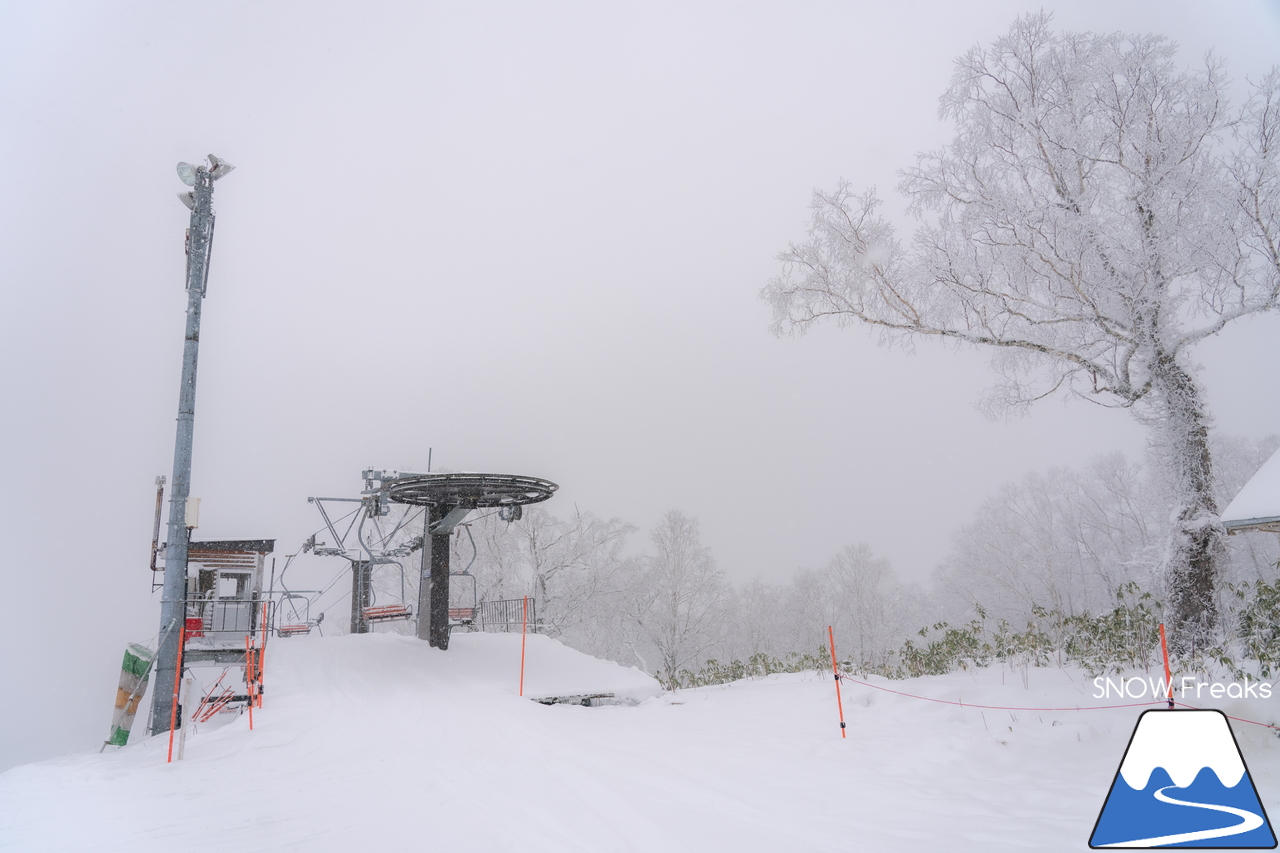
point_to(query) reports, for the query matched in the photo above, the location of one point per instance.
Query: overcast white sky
(530, 236)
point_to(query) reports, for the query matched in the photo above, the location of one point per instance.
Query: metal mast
(174, 594)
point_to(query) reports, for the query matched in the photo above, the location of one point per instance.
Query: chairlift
(387, 612)
(463, 615)
(374, 612)
(299, 614)
(293, 612)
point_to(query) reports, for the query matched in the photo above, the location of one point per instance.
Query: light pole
(173, 597)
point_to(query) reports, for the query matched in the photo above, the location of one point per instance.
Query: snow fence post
(177, 676)
(836, 670)
(262, 652)
(1168, 674)
(249, 677)
(524, 625)
(187, 715)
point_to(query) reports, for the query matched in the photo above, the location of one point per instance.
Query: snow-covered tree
(875, 611)
(1066, 540)
(570, 566)
(1070, 539)
(573, 562)
(758, 621)
(860, 597)
(676, 599)
(1098, 213)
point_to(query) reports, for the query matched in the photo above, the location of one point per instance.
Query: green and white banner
(134, 673)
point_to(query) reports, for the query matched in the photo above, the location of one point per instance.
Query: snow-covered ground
(379, 742)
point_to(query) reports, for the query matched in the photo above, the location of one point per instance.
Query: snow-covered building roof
(1257, 507)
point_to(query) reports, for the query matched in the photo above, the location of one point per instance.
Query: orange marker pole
(524, 625)
(177, 675)
(262, 653)
(836, 669)
(1168, 674)
(248, 677)
(208, 698)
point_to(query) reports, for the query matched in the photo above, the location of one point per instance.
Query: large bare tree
(678, 596)
(1100, 211)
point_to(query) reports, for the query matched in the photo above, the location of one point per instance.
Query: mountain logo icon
(1183, 783)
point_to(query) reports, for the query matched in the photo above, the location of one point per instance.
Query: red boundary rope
(995, 707)
(1004, 708)
(1168, 677)
(1229, 717)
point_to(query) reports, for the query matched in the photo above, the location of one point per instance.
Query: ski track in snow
(379, 742)
(1248, 821)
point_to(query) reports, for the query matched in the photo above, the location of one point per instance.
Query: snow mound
(380, 742)
(551, 669)
(477, 664)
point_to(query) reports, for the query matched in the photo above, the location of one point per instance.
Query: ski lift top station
(446, 497)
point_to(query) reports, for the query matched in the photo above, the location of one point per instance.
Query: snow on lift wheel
(463, 490)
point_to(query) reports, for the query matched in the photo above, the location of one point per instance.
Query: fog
(529, 240)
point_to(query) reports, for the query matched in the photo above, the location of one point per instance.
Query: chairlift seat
(387, 613)
(294, 630)
(462, 615)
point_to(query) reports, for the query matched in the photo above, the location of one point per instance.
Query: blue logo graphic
(1183, 783)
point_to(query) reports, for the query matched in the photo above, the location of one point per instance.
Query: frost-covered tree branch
(1099, 211)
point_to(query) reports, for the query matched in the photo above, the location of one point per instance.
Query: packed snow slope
(379, 742)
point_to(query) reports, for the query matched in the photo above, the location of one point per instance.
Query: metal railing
(508, 614)
(222, 622)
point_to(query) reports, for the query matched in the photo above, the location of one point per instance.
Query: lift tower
(174, 594)
(448, 498)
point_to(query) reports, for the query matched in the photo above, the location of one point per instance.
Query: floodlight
(187, 173)
(189, 199)
(220, 167)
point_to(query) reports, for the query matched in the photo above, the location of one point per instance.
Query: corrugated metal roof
(223, 559)
(1257, 506)
(252, 546)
